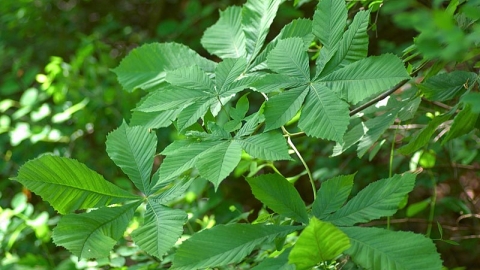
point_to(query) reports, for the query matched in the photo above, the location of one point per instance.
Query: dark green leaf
(283, 107)
(332, 194)
(446, 86)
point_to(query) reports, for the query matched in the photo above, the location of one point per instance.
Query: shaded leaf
(378, 199)
(76, 186)
(376, 127)
(446, 86)
(279, 195)
(93, 234)
(332, 194)
(463, 123)
(376, 248)
(225, 244)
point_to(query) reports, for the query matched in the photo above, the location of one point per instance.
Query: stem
(432, 205)
(292, 145)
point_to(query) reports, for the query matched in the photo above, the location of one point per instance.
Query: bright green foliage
(76, 186)
(319, 242)
(332, 195)
(132, 149)
(93, 234)
(375, 248)
(225, 244)
(161, 228)
(279, 195)
(379, 199)
(267, 146)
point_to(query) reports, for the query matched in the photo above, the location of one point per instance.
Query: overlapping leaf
(160, 230)
(133, 150)
(379, 199)
(266, 146)
(376, 248)
(93, 234)
(332, 194)
(281, 108)
(225, 244)
(75, 186)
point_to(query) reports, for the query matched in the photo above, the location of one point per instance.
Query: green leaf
(277, 263)
(376, 127)
(172, 193)
(473, 99)
(133, 150)
(324, 114)
(463, 123)
(145, 67)
(76, 186)
(279, 195)
(375, 248)
(250, 125)
(154, 119)
(227, 72)
(257, 16)
(275, 82)
(191, 77)
(332, 194)
(93, 234)
(350, 138)
(446, 86)
(266, 146)
(170, 98)
(366, 77)
(289, 58)
(283, 107)
(422, 138)
(301, 28)
(225, 244)
(319, 242)
(353, 46)
(193, 112)
(329, 22)
(378, 199)
(181, 157)
(218, 162)
(160, 230)
(226, 38)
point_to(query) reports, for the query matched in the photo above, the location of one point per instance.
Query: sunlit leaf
(266, 146)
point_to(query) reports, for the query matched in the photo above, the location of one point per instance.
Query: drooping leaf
(170, 98)
(424, 136)
(225, 244)
(376, 248)
(181, 157)
(366, 77)
(75, 186)
(226, 38)
(329, 22)
(353, 46)
(283, 107)
(191, 77)
(376, 127)
(145, 67)
(289, 58)
(378, 199)
(218, 162)
(266, 146)
(445, 86)
(228, 71)
(257, 16)
(324, 114)
(93, 234)
(160, 230)
(133, 150)
(463, 123)
(319, 242)
(332, 194)
(279, 195)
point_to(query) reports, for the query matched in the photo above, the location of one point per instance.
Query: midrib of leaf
(339, 137)
(145, 185)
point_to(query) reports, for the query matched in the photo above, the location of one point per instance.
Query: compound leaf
(75, 186)
(93, 234)
(289, 57)
(169, 99)
(133, 150)
(228, 71)
(225, 244)
(279, 195)
(376, 248)
(191, 77)
(283, 107)
(329, 22)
